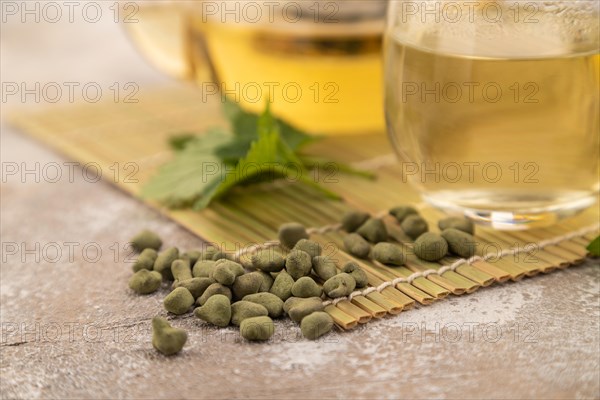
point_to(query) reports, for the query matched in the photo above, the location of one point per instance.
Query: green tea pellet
(272, 303)
(400, 213)
(357, 273)
(216, 310)
(267, 281)
(214, 289)
(226, 271)
(324, 267)
(430, 247)
(312, 248)
(145, 282)
(305, 307)
(306, 287)
(196, 286)
(164, 260)
(352, 220)
(291, 233)
(181, 271)
(291, 302)
(145, 260)
(316, 325)
(357, 245)
(268, 260)
(165, 338)
(246, 284)
(236, 267)
(240, 310)
(257, 328)
(414, 226)
(282, 285)
(203, 268)
(389, 254)
(460, 243)
(340, 285)
(178, 301)
(462, 224)
(373, 230)
(192, 256)
(298, 264)
(146, 240)
(220, 255)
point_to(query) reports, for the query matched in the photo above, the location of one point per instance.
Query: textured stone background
(71, 328)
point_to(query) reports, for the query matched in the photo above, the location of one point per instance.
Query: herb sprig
(257, 148)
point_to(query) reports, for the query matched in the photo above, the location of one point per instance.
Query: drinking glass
(493, 106)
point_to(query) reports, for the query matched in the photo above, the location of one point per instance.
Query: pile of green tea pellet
(223, 293)
(294, 283)
(367, 237)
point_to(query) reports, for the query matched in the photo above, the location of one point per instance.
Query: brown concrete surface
(72, 329)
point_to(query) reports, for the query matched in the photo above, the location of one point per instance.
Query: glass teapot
(318, 62)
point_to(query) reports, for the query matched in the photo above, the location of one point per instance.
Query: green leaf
(182, 180)
(268, 159)
(180, 141)
(594, 247)
(244, 125)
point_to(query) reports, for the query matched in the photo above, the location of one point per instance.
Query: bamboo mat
(132, 139)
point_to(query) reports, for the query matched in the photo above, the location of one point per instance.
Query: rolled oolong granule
(373, 230)
(312, 248)
(146, 240)
(164, 260)
(339, 286)
(306, 287)
(216, 310)
(145, 260)
(357, 245)
(192, 256)
(400, 213)
(291, 233)
(304, 307)
(178, 301)
(145, 282)
(460, 223)
(268, 260)
(203, 268)
(352, 220)
(257, 328)
(240, 310)
(298, 264)
(165, 338)
(181, 270)
(389, 254)
(414, 226)
(460, 243)
(359, 275)
(196, 286)
(430, 247)
(282, 286)
(316, 325)
(267, 281)
(272, 303)
(324, 267)
(291, 302)
(220, 255)
(214, 289)
(226, 271)
(246, 284)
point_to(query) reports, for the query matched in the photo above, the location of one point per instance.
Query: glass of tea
(318, 62)
(493, 106)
